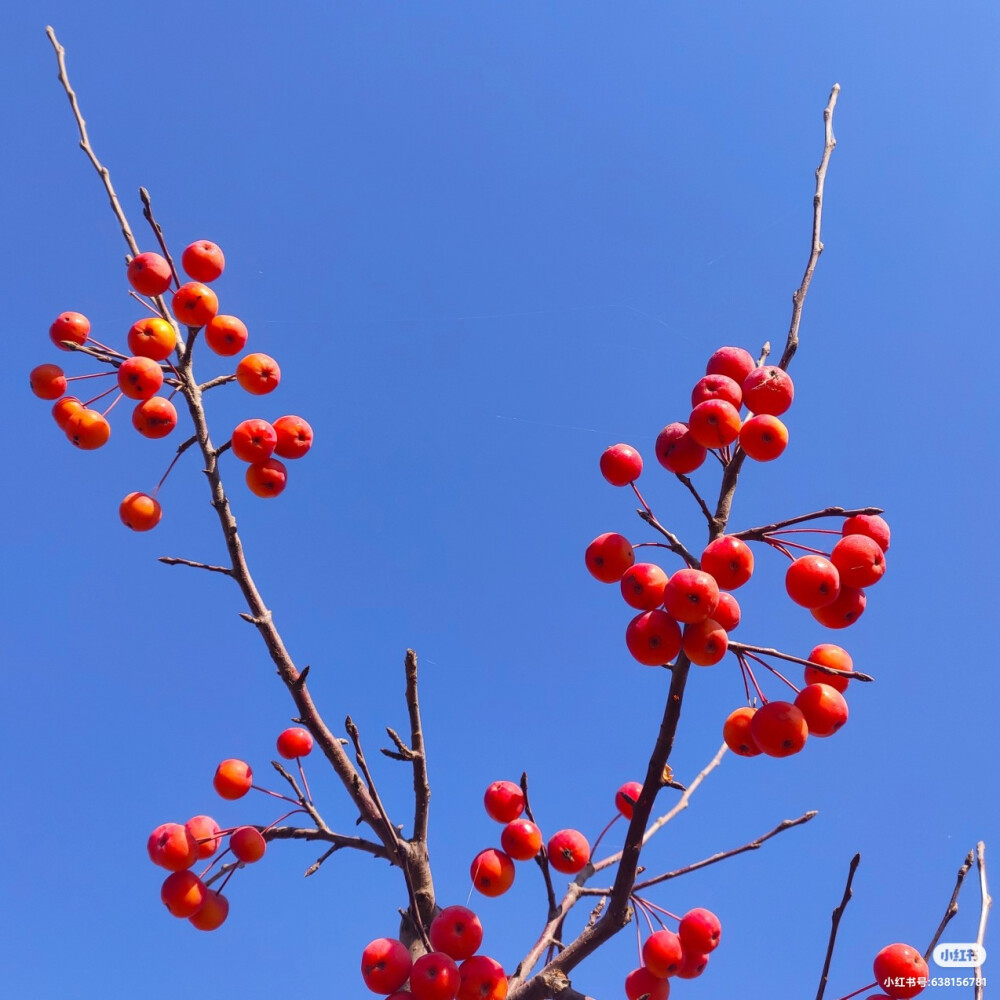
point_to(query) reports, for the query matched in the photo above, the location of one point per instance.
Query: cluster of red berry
(455, 935)
(142, 374)
(177, 846)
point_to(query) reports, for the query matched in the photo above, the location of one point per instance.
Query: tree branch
(174, 561)
(421, 784)
(835, 921)
(952, 908)
(987, 902)
(757, 534)
(743, 647)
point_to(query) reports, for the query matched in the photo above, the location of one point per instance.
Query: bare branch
(673, 542)
(338, 840)
(835, 921)
(421, 784)
(147, 212)
(174, 561)
(709, 516)
(212, 383)
(743, 647)
(952, 908)
(757, 534)
(987, 902)
(542, 858)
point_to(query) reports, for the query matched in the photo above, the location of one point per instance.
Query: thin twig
(542, 857)
(742, 647)
(952, 908)
(174, 561)
(673, 542)
(835, 922)
(987, 902)
(304, 800)
(757, 534)
(694, 492)
(147, 212)
(339, 841)
(421, 783)
(220, 380)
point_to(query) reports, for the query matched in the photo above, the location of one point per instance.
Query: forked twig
(835, 925)
(952, 907)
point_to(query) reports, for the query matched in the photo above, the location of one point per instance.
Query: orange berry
(295, 437)
(71, 326)
(267, 479)
(140, 512)
(87, 429)
(258, 374)
(233, 779)
(226, 335)
(213, 912)
(183, 893)
(248, 844)
(736, 732)
(65, 408)
(206, 832)
(203, 260)
(154, 418)
(779, 729)
(47, 381)
(152, 337)
(149, 274)
(171, 846)
(140, 378)
(194, 304)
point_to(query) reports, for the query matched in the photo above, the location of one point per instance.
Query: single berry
(812, 581)
(733, 362)
(768, 390)
(434, 976)
(203, 260)
(568, 851)
(47, 381)
(845, 610)
(155, 418)
(826, 654)
(183, 893)
(871, 525)
(258, 374)
(608, 556)
(71, 326)
(714, 423)
(705, 643)
(171, 846)
(779, 729)
(763, 437)
(295, 742)
(140, 512)
(663, 953)
(677, 451)
(385, 965)
(206, 833)
(824, 708)
(736, 732)
(653, 638)
(233, 779)
(717, 387)
(900, 970)
(456, 931)
(247, 844)
(691, 595)
(149, 274)
(521, 839)
(212, 913)
(641, 984)
(492, 872)
(253, 440)
(621, 464)
(504, 801)
(483, 978)
(194, 304)
(643, 585)
(140, 377)
(627, 796)
(859, 560)
(152, 337)
(295, 437)
(727, 612)
(729, 560)
(267, 478)
(87, 429)
(226, 335)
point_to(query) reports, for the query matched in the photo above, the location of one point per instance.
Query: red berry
(859, 560)
(483, 978)
(768, 390)
(845, 610)
(763, 437)
(140, 512)
(233, 779)
(140, 377)
(492, 872)
(194, 304)
(206, 833)
(71, 326)
(608, 556)
(456, 931)
(203, 261)
(727, 612)
(692, 965)
(621, 464)
(812, 581)
(663, 953)
(226, 335)
(643, 585)
(87, 429)
(736, 732)
(64, 408)
(171, 846)
(385, 965)
(521, 839)
(152, 337)
(504, 801)
(900, 970)
(149, 274)
(154, 418)
(212, 913)
(699, 930)
(247, 844)
(779, 729)
(729, 560)
(641, 984)
(653, 638)
(568, 851)
(295, 437)
(714, 423)
(627, 796)
(824, 708)
(253, 440)
(267, 478)
(828, 655)
(717, 387)
(705, 643)
(691, 595)
(677, 451)
(258, 374)
(47, 381)
(434, 977)
(295, 742)
(733, 362)
(871, 525)
(183, 893)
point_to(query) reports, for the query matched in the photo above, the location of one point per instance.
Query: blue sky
(484, 242)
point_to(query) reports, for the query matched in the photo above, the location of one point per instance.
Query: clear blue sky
(485, 241)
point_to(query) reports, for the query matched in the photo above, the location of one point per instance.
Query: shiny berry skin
(763, 437)
(705, 643)
(492, 872)
(692, 966)
(456, 931)
(258, 374)
(149, 274)
(504, 801)
(859, 560)
(203, 260)
(483, 978)
(88, 429)
(521, 839)
(677, 451)
(662, 953)
(630, 790)
(71, 326)
(779, 729)
(717, 387)
(194, 304)
(206, 833)
(700, 931)
(736, 732)
(824, 708)
(714, 423)
(385, 965)
(155, 418)
(152, 337)
(140, 378)
(871, 525)
(729, 560)
(64, 408)
(733, 362)
(727, 612)
(643, 585)
(900, 961)
(182, 893)
(248, 844)
(253, 440)
(621, 464)
(568, 851)
(295, 437)
(434, 977)
(691, 595)
(845, 610)
(653, 638)
(226, 335)
(828, 655)
(212, 913)
(768, 390)
(812, 581)
(140, 512)
(295, 742)
(233, 778)
(608, 556)
(47, 381)
(267, 478)
(641, 984)
(171, 846)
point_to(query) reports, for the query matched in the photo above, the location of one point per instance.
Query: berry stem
(660, 909)
(600, 836)
(776, 673)
(798, 545)
(276, 795)
(138, 298)
(117, 399)
(814, 531)
(77, 378)
(641, 499)
(180, 451)
(753, 680)
(100, 395)
(103, 347)
(305, 784)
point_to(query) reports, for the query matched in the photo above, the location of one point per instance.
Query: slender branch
(987, 902)
(147, 212)
(694, 492)
(304, 800)
(742, 647)
(952, 908)
(757, 534)
(338, 840)
(542, 858)
(673, 542)
(105, 355)
(835, 922)
(220, 380)
(799, 298)
(421, 784)
(174, 561)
